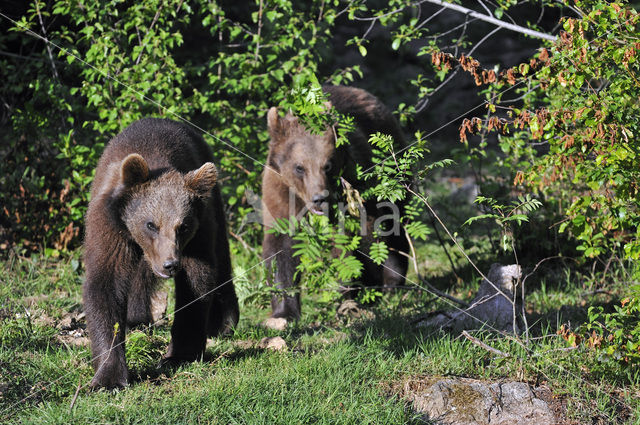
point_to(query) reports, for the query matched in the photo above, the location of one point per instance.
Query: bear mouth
(316, 211)
(161, 274)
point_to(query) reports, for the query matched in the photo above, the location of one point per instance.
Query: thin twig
(482, 40)
(443, 294)
(153, 22)
(439, 293)
(244, 244)
(27, 58)
(516, 340)
(561, 349)
(481, 344)
(444, 247)
(539, 263)
(321, 11)
(451, 30)
(46, 40)
(606, 268)
(256, 55)
(244, 170)
(425, 100)
(484, 6)
(371, 25)
(413, 256)
(426, 21)
(75, 396)
(460, 38)
(224, 354)
(455, 241)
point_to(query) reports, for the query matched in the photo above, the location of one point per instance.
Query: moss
(466, 400)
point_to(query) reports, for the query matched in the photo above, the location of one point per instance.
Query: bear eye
(299, 169)
(327, 166)
(152, 226)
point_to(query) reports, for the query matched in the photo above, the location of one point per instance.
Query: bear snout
(319, 198)
(165, 269)
(171, 267)
(319, 204)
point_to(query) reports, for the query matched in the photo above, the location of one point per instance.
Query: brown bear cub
(302, 168)
(155, 213)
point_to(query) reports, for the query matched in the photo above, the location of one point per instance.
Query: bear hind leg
(396, 265)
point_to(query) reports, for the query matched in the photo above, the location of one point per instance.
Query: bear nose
(318, 198)
(170, 266)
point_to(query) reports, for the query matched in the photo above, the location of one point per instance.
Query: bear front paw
(109, 378)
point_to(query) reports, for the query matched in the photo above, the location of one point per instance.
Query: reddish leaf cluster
(482, 76)
(497, 123)
(522, 120)
(630, 53)
(566, 38)
(544, 55)
(519, 178)
(441, 60)
(447, 61)
(467, 126)
(569, 336)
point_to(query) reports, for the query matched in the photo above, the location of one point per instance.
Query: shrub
(573, 139)
(217, 65)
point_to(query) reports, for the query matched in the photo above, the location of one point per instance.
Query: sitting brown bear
(300, 169)
(155, 212)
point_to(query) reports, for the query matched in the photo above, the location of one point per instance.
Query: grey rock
(463, 401)
(276, 343)
(276, 323)
(350, 309)
(489, 307)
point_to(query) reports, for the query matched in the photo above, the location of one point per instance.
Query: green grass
(334, 370)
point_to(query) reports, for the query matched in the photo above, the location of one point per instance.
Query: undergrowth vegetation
(335, 369)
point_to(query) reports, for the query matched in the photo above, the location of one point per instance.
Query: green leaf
(480, 217)
(417, 230)
(378, 252)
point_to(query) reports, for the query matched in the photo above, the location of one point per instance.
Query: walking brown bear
(307, 165)
(155, 213)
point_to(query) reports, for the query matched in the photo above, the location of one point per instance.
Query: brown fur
(155, 212)
(308, 163)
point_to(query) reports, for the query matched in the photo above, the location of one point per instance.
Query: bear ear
(274, 122)
(134, 170)
(202, 180)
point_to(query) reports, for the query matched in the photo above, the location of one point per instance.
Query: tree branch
(481, 344)
(494, 21)
(46, 40)
(153, 22)
(256, 55)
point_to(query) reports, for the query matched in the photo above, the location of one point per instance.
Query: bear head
(161, 214)
(302, 159)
